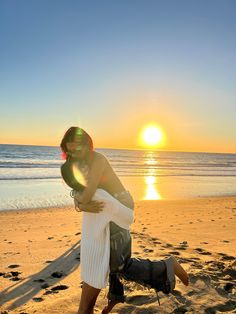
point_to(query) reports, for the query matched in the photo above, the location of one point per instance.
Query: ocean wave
(29, 178)
(125, 165)
(121, 175)
(10, 164)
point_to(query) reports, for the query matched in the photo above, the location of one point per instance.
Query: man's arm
(90, 207)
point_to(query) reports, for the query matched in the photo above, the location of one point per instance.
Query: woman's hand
(91, 207)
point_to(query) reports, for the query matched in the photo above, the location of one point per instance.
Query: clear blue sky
(113, 66)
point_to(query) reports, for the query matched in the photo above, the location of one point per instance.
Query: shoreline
(40, 257)
(66, 206)
(38, 194)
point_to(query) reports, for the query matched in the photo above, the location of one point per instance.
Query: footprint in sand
(229, 287)
(181, 299)
(180, 248)
(180, 310)
(56, 289)
(174, 253)
(7, 275)
(60, 287)
(227, 258)
(200, 250)
(15, 273)
(50, 292)
(205, 253)
(39, 280)
(218, 265)
(229, 305)
(157, 242)
(148, 250)
(142, 246)
(13, 266)
(230, 272)
(168, 245)
(141, 299)
(37, 299)
(57, 274)
(15, 279)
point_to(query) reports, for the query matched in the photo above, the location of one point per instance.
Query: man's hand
(91, 207)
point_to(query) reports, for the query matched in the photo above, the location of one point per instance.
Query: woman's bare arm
(94, 176)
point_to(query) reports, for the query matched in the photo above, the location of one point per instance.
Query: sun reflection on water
(151, 192)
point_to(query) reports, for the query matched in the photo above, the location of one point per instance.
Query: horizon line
(137, 149)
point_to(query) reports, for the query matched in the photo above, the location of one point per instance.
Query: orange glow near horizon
(176, 136)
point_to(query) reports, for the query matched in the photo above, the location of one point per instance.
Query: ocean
(30, 175)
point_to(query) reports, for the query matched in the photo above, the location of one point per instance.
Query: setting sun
(152, 136)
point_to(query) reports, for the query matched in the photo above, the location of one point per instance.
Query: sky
(112, 67)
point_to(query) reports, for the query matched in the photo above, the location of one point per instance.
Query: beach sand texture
(40, 250)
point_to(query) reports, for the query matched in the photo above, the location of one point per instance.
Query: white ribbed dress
(95, 239)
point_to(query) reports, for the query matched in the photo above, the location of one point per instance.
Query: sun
(152, 136)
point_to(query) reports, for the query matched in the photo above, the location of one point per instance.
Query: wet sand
(39, 265)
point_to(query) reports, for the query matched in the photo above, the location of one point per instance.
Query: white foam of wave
(34, 194)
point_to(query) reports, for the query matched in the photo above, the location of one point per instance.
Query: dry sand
(39, 265)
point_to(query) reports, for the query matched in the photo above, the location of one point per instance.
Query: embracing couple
(108, 211)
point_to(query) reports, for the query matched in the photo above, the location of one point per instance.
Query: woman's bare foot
(109, 307)
(180, 272)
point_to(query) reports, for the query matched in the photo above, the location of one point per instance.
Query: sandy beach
(40, 251)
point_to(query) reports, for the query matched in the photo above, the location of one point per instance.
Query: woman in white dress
(107, 215)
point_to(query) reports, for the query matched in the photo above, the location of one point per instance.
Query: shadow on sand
(27, 288)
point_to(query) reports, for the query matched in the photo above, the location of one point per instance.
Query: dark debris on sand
(57, 274)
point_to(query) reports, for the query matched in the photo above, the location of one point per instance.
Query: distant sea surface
(30, 175)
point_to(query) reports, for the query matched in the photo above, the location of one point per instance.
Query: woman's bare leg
(109, 307)
(180, 272)
(88, 299)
